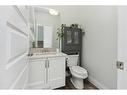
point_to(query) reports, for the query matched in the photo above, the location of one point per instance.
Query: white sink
(47, 54)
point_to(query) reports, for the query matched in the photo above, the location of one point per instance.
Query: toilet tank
(72, 60)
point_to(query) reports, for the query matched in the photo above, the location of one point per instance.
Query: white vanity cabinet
(47, 73)
(56, 72)
(37, 73)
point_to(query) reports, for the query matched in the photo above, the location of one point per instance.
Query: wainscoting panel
(18, 20)
(21, 79)
(18, 44)
(23, 12)
(14, 69)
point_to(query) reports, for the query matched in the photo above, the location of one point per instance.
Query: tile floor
(69, 85)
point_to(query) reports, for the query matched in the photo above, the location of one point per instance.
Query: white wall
(100, 44)
(68, 14)
(122, 47)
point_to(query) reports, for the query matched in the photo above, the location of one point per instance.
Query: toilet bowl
(78, 73)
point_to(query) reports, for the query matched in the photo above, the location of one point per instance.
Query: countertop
(47, 55)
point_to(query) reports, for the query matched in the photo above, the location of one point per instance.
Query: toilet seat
(78, 71)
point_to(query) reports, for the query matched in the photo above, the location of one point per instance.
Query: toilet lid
(78, 70)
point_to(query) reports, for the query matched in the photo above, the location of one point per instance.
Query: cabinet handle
(45, 63)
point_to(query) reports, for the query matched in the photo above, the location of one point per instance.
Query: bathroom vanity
(46, 65)
(47, 70)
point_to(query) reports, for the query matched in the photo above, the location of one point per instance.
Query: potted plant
(60, 34)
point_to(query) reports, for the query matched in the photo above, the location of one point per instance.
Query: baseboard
(96, 83)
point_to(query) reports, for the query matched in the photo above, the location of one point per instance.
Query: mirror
(43, 24)
(44, 36)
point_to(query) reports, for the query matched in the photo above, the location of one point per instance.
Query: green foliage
(60, 32)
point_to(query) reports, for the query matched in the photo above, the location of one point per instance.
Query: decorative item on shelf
(60, 34)
(74, 25)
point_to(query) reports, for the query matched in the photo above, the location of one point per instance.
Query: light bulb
(53, 12)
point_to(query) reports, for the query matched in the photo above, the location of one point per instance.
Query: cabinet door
(69, 37)
(37, 73)
(56, 72)
(76, 37)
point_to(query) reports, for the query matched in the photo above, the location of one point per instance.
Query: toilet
(78, 73)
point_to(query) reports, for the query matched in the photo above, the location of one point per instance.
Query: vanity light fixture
(53, 12)
(48, 10)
